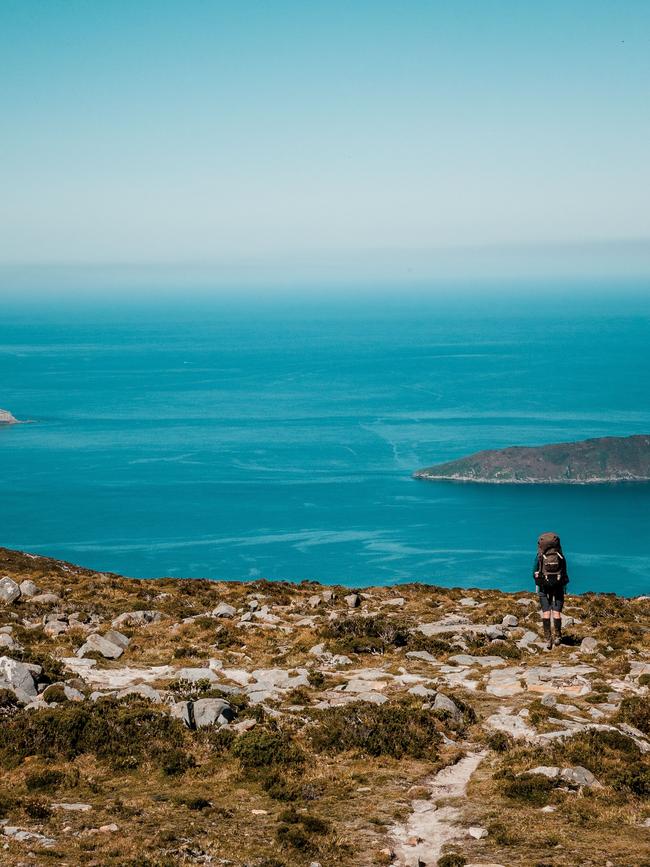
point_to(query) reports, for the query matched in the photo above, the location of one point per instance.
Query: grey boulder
(95, 643)
(224, 610)
(28, 588)
(9, 590)
(444, 703)
(208, 711)
(19, 675)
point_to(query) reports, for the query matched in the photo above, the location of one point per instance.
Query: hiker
(551, 578)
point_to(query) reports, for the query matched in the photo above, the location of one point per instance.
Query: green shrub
(316, 679)
(529, 788)
(644, 680)
(635, 710)
(176, 761)
(436, 646)
(124, 734)
(453, 859)
(500, 742)
(221, 740)
(376, 634)
(263, 749)
(44, 781)
(55, 694)
(377, 730)
(37, 809)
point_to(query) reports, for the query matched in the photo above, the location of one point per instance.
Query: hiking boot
(558, 631)
(547, 633)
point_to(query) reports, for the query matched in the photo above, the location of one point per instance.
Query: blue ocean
(243, 438)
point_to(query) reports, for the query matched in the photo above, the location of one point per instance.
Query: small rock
(224, 610)
(28, 588)
(117, 638)
(580, 776)
(477, 833)
(72, 808)
(444, 703)
(46, 599)
(396, 601)
(208, 711)
(108, 829)
(137, 618)
(314, 601)
(549, 700)
(53, 628)
(352, 600)
(9, 590)
(549, 771)
(6, 640)
(181, 710)
(549, 808)
(19, 675)
(96, 644)
(510, 620)
(588, 645)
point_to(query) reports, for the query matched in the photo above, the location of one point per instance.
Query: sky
(258, 139)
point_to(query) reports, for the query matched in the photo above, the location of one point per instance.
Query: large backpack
(551, 560)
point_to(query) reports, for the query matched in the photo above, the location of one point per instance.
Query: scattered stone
(95, 643)
(550, 771)
(27, 836)
(510, 621)
(28, 588)
(477, 833)
(108, 829)
(208, 711)
(314, 601)
(224, 610)
(194, 675)
(444, 703)
(9, 591)
(588, 645)
(352, 600)
(53, 628)
(397, 601)
(6, 640)
(505, 682)
(20, 676)
(136, 618)
(483, 661)
(579, 776)
(422, 692)
(72, 808)
(46, 599)
(143, 690)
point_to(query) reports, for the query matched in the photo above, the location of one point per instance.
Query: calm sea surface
(236, 441)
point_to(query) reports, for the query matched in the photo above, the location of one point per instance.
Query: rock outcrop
(7, 418)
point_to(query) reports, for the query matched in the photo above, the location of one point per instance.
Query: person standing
(551, 577)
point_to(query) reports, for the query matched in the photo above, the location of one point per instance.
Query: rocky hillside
(6, 417)
(266, 724)
(607, 459)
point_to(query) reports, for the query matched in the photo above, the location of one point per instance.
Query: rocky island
(7, 418)
(592, 461)
(258, 724)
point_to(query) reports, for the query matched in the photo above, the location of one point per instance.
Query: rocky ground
(185, 721)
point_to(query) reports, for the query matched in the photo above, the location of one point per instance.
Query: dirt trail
(429, 827)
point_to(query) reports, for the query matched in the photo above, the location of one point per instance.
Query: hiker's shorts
(551, 600)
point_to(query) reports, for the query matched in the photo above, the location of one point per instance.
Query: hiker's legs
(557, 605)
(545, 605)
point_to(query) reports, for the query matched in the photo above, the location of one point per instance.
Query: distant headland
(606, 459)
(7, 418)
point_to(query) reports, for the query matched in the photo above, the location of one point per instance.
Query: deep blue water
(236, 440)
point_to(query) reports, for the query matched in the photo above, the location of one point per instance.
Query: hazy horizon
(291, 144)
